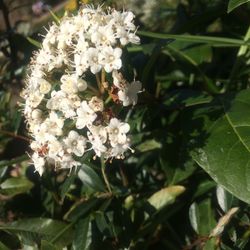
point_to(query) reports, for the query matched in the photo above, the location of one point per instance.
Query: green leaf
(102, 224)
(5, 163)
(199, 53)
(224, 198)
(213, 41)
(235, 3)
(90, 178)
(14, 186)
(55, 17)
(45, 245)
(36, 229)
(82, 239)
(165, 196)
(3, 247)
(186, 98)
(224, 150)
(81, 209)
(34, 42)
(186, 58)
(64, 188)
(202, 217)
(148, 145)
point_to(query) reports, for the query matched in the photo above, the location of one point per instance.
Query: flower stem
(104, 175)
(103, 78)
(99, 84)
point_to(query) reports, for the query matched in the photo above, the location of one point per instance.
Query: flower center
(111, 58)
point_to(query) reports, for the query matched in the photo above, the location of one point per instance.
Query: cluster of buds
(66, 113)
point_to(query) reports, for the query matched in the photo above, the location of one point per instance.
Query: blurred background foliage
(187, 184)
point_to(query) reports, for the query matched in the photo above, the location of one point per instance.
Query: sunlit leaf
(14, 186)
(235, 3)
(225, 153)
(213, 41)
(201, 217)
(165, 196)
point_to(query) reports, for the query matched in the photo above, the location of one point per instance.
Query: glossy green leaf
(15, 185)
(82, 239)
(90, 178)
(165, 196)
(235, 3)
(224, 198)
(225, 153)
(202, 217)
(35, 229)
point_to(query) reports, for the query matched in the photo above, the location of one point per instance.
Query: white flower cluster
(65, 111)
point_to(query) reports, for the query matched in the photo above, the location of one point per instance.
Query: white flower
(37, 115)
(124, 19)
(50, 38)
(67, 161)
(54, 124)
(117, 132)
(118, 150)
(82, 44)
(128, 95)
(38, 162)
(97, 137)
(104, 35)
(55, 148)
(92, 59)
(44, 57)
(67, 30)
(34, 99)
(65, 103)
(44, 87)
(118, 80)
(58, 98)
(86, 115)
(40, 132)
(111, 58)
(80, 63)
(96, 104)
(72, 84)
(99, 132)
(75, 143)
